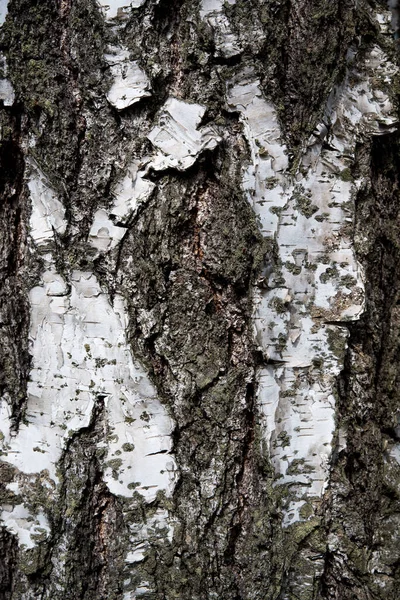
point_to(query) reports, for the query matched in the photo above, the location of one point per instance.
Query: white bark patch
(7, 94)
(29, 529)
(130, 192)
(131, 83)
(226, 43)
(47, 211)
(80, 357)
(118, 8)
(3, 11)
(177, 135)
(319, 282)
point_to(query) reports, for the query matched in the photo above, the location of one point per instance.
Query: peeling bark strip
(199, 329)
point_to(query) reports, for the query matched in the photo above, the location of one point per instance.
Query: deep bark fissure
(14, 320)
(369, 413)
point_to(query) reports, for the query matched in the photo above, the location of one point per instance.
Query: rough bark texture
(153, 154)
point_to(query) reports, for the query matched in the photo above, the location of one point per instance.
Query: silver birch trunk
(199, 300)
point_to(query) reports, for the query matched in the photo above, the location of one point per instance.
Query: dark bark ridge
(363, 556)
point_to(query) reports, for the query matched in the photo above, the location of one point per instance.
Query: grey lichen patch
(293, 268)
(304, 203)
(283, 439)
(337, 342)
(345, 175)
(127, 447)
(329, 273)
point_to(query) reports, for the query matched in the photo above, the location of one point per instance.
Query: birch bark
(199, 300)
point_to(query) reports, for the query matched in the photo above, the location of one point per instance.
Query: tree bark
(199, 322)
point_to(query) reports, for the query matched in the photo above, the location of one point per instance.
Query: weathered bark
(199, 289)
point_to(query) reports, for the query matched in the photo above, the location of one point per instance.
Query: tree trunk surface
(199, 300)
